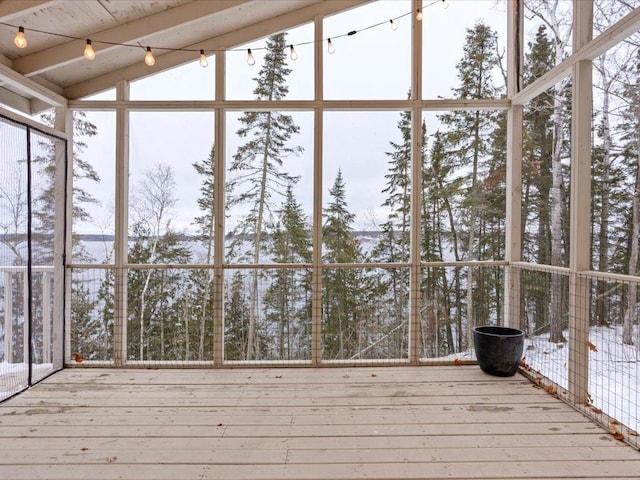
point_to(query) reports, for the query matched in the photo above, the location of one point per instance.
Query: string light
(330, 48)
(203, 59)
(89, 52)
(20, 40)
(148, 58)
(250, 60)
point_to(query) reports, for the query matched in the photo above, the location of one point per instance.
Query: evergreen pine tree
(341, 286)
(468, 137)
(256, 170)
(202, 280)
(288, 298)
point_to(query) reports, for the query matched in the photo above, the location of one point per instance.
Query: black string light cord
(21, 41)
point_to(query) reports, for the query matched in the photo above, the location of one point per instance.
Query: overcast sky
(373, 64)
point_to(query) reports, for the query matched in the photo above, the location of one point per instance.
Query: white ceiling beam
(29, 87)
(15, 101)
(603, 42)
(13, 9)
(222, 42)
(170, 19)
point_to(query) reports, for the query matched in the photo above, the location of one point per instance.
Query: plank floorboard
(300, 423)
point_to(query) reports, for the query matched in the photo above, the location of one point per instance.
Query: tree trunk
(630, 310)
(556, 219)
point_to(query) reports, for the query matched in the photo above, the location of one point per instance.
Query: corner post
(580, 213)
(513, 240)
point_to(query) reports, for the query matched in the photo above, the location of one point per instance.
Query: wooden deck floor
(330, 423)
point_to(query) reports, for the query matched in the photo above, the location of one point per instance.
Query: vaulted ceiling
(57, 63)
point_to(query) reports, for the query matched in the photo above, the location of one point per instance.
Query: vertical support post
(62, 243)
(121, 227)
(8, 317)
(513, 240)
(316, 282)
(46, 318)
(580, 213)
(219, 212)
(416, 186)
(26, 327)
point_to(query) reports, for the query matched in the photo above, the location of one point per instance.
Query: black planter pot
(498, 349)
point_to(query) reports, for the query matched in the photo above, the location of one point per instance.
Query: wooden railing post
(8, 317)
(46, 317)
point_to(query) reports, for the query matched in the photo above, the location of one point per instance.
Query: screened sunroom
(252, 238)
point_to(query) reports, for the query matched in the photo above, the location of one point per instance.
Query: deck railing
(182, 327)
(17, 361)
(611, 353)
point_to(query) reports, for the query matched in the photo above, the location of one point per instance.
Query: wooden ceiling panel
(173, 24)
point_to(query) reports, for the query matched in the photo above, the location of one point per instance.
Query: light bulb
(419, 15)
(148, 58)
(293, 54)
(250, 60)
(330, 48)
(89, 52)
(394, 25)
(203, 59)
(20, 40)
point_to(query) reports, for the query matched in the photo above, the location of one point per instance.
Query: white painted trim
(33, 124)
(588, 51)
(513, 201)
(219, 226)
(580, 207)
(318, 129)
(121, 228)
(415, 243)
(62, 247)
(293, 105)
(8, 316)
(30, 88)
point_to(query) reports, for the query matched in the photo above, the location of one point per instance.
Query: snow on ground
(614, 370)
(14, 377)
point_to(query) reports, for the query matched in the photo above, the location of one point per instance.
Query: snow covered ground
(14, 377)
(614, 370)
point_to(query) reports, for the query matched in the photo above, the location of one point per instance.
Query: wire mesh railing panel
(454, 300)
(92, 314)
(545, 319)
(170, 315)
(365, 313)
(614, 353)
(267, 314)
